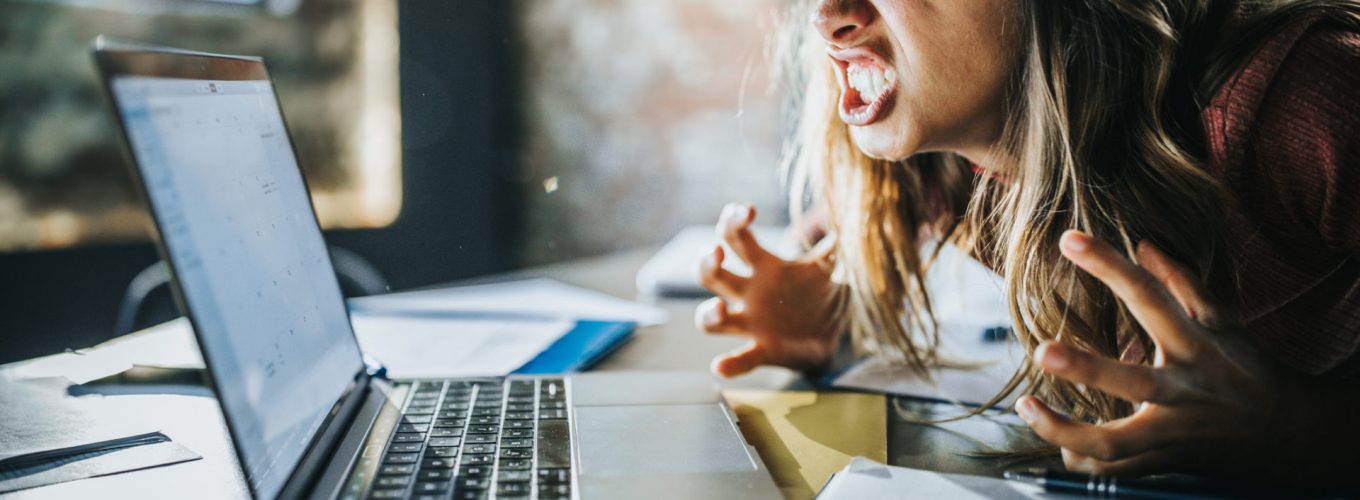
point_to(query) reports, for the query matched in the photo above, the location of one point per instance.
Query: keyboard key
(483, 429)
(392, 481)
(552, 405)
(416, 419)
(517, 453)
(478, 459)
(552, 414)
(446, 432)
(520, 399)
(470, 494)
(554, 476)
(513, 464)
(441, 452)
(444, 441)
(519, 407)
(473, 483)
(401, 458)
(477, 449)
(435, 475)
(474, 471)
(518, 433)
(458, 406)
(554, 444)
(388, 493)
(480, 438)
(514, 476)
(519, 424)
(438, 463)
(413, 428)
(563, 489)
(512, 489)
(432, 486)
(404, 447)
(450, 422)
(487, 411)
(516, 443)
(519, 415)
(390, 469)
(409, 437)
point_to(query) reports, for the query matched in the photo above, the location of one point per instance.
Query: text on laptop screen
(235, 217)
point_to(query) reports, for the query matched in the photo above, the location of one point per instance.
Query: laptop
(307, 417)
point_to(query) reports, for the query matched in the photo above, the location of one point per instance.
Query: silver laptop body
(307, 417)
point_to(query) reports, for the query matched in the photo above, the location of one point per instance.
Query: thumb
(739, 362)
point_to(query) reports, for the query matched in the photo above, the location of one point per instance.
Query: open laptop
(250, 269)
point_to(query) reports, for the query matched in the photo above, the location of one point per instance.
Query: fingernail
(1052, 356)
(710, 259)
(715, 367)
(1025, 408)
(1075, 241)
(714, 315)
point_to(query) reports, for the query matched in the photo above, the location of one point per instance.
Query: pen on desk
(1098, 486)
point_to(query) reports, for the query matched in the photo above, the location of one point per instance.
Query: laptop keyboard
(470, 439)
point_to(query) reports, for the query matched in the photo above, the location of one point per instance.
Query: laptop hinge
(320, 450)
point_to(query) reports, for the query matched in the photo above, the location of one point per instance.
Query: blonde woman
(1170, 189)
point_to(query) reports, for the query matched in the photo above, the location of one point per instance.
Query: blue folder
(579, 349)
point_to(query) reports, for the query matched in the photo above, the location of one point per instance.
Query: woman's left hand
(1209, 403)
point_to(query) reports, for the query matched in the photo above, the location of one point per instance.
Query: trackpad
(659, 439)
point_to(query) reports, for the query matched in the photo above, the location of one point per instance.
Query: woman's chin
(880, 144)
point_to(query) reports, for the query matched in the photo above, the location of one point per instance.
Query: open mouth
(867, 87)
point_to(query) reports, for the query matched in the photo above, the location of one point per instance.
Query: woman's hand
(1209, 404)
(788, 308)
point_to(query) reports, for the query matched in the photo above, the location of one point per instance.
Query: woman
(1168, 188)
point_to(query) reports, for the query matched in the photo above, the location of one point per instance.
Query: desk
(196, 421)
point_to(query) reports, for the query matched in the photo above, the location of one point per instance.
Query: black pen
(1098, 486)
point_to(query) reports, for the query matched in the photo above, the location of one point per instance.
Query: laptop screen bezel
(118, 59)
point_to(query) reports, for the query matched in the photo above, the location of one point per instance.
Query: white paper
(674, 270)
(864, 478)
(967, 300)
(440, 346)
(167, 345)
(534, 298)
(444, 347)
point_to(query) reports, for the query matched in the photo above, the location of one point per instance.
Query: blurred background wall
(642, 116)
(505, 134)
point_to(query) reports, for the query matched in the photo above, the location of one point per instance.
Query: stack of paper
(534, 298)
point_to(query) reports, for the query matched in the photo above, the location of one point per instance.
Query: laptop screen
(236, 221)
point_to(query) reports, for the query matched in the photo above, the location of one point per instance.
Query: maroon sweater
(1283, 137)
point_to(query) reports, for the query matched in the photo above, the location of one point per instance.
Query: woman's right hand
(790, 309)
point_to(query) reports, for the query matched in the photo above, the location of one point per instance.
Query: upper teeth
(870, 82)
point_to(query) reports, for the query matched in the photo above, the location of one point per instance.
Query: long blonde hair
(1103, 132)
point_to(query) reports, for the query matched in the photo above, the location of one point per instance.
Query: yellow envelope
(804, 436)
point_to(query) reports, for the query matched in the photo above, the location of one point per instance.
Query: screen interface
(236, 220)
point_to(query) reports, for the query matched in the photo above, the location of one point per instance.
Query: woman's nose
(842, 22)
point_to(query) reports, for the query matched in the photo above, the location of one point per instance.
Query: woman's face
(921, 75)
